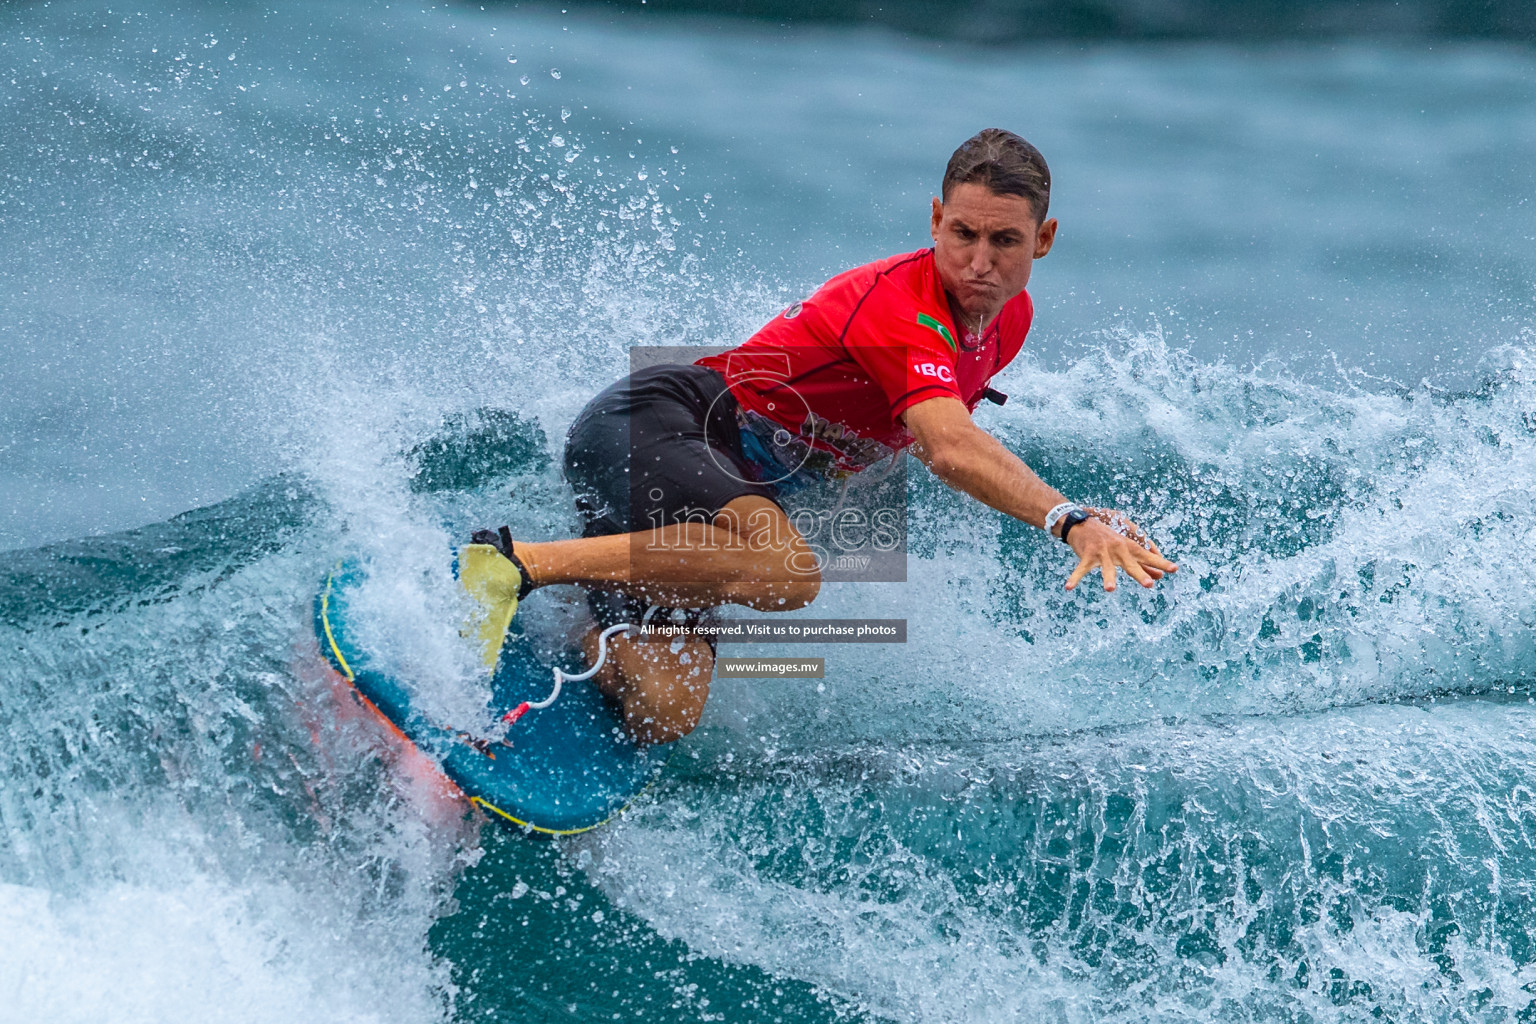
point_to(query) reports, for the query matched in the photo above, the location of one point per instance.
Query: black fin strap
(526, 586)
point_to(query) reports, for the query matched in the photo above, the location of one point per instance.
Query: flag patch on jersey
(930, 322)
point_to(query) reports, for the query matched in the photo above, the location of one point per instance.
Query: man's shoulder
(900, 283)
(899, 267)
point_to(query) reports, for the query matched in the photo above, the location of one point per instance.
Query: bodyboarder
(678, 469)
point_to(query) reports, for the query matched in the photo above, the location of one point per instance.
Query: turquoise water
(336, 276)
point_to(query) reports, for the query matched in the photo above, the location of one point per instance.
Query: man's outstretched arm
(969, 459)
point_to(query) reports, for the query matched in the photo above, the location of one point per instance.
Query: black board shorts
(655, 448)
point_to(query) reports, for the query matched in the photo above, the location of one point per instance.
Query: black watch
(1070, 520)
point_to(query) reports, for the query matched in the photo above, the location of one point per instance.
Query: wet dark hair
(1003, 162)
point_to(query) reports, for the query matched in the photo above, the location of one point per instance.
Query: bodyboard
(558, 771)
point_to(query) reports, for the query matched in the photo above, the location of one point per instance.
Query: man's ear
(938, 217)
(1045, 238)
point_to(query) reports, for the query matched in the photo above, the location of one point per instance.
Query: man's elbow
(947, 441)
(948, 461)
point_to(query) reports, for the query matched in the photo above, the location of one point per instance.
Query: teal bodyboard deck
(562, 769)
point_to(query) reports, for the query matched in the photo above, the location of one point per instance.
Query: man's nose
(981, 259)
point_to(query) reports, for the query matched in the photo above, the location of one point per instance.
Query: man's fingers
(1153, 559)
(1145, 565)
(1139, 573)
(1151, 563)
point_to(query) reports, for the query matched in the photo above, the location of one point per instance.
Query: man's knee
(783, 592)
(666, 688)
(782, 571)
(802, 590)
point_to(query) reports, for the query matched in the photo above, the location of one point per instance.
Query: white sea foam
(1256, 869)
(191, 950)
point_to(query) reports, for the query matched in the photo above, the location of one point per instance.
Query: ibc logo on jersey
(939, 370)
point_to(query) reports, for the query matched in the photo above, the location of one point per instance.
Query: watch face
(1070, 520)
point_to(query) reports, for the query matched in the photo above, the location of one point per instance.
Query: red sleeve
(908, 351)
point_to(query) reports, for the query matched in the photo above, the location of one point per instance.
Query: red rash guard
(839, 369)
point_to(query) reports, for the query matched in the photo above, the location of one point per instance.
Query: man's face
(985, 246)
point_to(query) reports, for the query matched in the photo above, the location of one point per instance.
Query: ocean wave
(983, 21)
(1318, 867)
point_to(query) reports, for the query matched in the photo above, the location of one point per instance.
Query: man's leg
(750, 554)
(661, 685)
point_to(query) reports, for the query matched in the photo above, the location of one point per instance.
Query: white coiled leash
(561, 678)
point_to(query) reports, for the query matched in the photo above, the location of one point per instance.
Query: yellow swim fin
(493, 581)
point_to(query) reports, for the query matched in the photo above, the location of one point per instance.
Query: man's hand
(969, 459)
(1109, 541)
